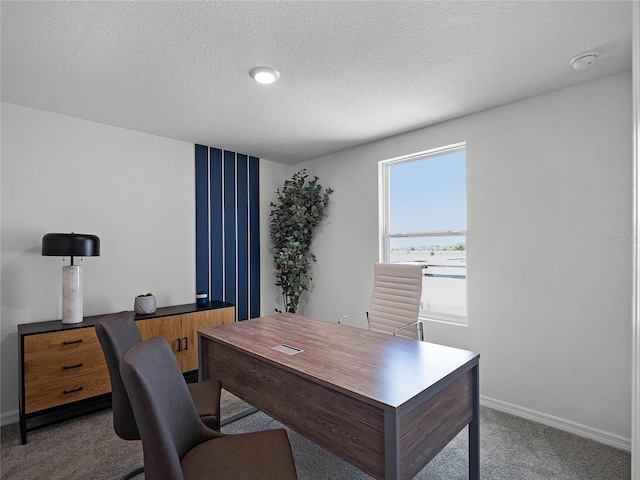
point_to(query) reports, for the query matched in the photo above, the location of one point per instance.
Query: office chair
(176, 444)
(395, 301)
(117, 333)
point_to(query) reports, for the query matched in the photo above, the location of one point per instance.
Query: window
(424, 220)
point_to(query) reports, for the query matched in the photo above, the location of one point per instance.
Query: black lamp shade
(70, 245)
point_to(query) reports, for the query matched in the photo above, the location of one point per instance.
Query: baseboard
(599, 436)
(9, 418)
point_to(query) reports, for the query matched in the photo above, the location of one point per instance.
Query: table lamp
(71, 245)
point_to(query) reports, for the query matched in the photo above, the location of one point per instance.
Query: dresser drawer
(45, 368)
(59, 392)
(60, 343)
(50, 357)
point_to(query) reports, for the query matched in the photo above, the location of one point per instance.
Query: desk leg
(474, 430)
(391, 446)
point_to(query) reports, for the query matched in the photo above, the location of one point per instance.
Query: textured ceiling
(351, 72)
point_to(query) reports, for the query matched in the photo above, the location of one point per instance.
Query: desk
(385, 404)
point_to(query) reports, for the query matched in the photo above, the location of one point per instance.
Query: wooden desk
(385, 404)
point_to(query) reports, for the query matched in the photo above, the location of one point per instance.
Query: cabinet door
(167, 327)
(191, 322)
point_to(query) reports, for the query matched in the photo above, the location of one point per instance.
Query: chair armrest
(419, 328)
(353, 314)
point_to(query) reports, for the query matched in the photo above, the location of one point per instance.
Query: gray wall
(549, 250)
(135, 191)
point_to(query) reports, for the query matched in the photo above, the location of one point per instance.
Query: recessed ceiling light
(265, 75)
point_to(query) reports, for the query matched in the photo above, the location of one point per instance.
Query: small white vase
(145, 305)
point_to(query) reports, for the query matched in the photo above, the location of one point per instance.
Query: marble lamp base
(72, 294)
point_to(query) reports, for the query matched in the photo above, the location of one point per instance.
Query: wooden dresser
(63, 371)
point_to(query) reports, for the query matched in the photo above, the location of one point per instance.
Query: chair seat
(252, 456)
(206, 397)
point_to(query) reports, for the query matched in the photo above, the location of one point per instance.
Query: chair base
(238, 416)
(133, 473)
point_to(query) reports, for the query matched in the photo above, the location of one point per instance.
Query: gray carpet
(86, 448)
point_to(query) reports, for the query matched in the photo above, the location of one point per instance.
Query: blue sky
(429, 195)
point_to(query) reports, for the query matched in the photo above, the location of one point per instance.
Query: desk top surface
(381, 368)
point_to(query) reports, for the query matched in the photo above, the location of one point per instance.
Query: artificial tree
(300, 206)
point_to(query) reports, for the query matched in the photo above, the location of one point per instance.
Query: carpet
(512, 448)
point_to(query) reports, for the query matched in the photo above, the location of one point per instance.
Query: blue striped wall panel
(202, 218)
(242, 182)
(254, 237)
(216, 253)
(230, 245)
(228, 228)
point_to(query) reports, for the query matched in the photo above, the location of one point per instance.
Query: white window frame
(385, 236)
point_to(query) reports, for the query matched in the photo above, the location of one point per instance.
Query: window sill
(455, 320)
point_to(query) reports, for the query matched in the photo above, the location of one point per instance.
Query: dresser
(62, 370)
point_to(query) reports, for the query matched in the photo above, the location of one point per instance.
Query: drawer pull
(72, 342)
(67, 392)
(179, 344)
(68, 367)
(186, 343)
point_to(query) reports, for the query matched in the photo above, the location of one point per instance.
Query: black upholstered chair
(176, 444)
(117, 333)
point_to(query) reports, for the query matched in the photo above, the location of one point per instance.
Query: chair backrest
(397, 289)
(167, 418)
(117, 333)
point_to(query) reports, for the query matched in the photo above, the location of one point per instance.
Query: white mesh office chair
(395, 302)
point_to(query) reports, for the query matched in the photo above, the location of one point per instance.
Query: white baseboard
(9, 418)
(600, 436)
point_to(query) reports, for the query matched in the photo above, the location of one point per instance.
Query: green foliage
(300, 206)
(458, 247)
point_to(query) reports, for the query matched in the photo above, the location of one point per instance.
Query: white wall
(549, 180)
(272, 176)
(135, 191)
(549, 250)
